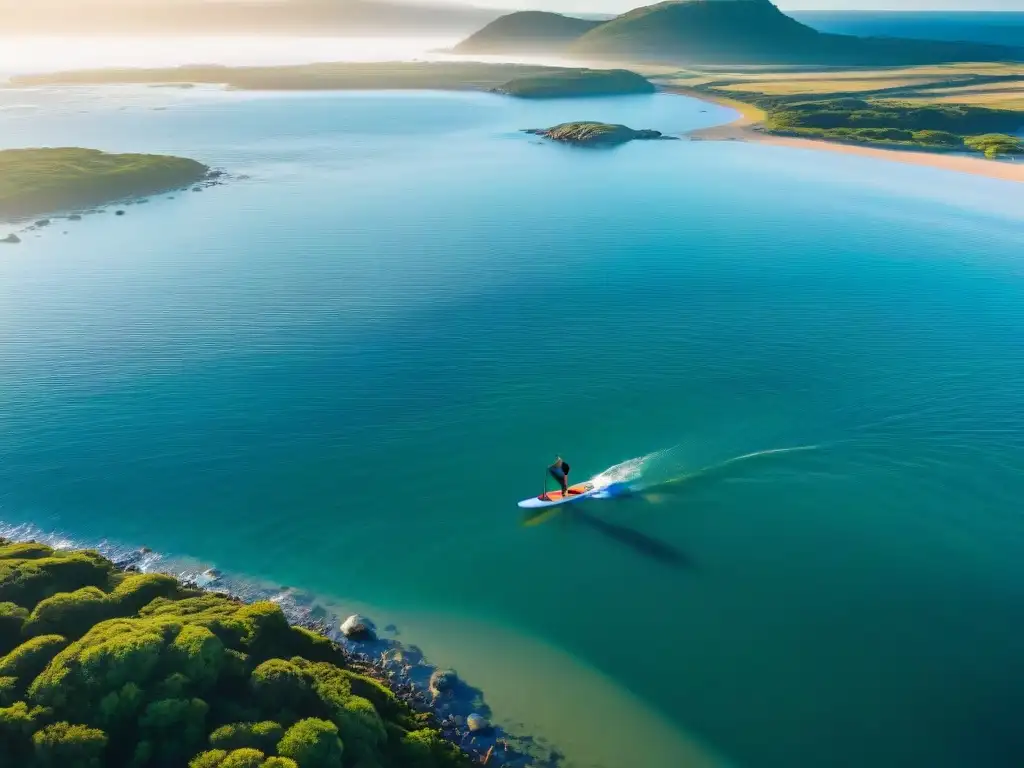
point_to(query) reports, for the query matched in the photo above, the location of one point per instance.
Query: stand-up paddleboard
(554, 498)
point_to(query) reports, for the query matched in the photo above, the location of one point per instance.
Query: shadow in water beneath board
(647, 546)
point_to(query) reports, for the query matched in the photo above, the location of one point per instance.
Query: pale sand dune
(744, 129)
(979, 166)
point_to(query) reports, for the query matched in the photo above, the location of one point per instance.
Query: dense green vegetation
(101, 668)
(37, 181)
(577, 82)
(525, 31)
(713, 31)
(995, 144)
(924, 126)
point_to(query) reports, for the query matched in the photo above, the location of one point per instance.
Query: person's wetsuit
(560, 471)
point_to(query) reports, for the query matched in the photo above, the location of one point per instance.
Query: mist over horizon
(355, 17)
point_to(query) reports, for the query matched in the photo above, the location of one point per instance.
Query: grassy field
(946, 81)
(40, 181)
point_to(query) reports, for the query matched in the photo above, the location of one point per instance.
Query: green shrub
(427, 749)
(27, 550)
(120, 709)
(280, 762)
(70, 614)
(176, 727)
(214, 612)
(262, 736)
(198, 654)
(8, 691)
(360, 728)
(312, 743)
(267, 632)
(938, 138)
(12, 619)
(243, 758)
(211, 759)
(138, 590)
(277, 685)
(28, 660)
(17, 724)
(63, 745)
(383, 700)
(995, 144)
(314, 647)
(110, 655)
(26, 582)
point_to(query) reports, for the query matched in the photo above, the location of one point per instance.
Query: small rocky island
(43, 181)
(597, 134)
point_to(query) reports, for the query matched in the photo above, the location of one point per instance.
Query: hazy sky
(614, 6)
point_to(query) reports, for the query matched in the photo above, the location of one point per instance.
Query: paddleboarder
(560, 471)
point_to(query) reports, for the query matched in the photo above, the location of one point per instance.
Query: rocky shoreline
(454, 707)
(214, 178)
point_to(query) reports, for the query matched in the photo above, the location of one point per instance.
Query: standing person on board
(560, 471)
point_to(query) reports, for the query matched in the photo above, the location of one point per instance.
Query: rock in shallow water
(358, 628)
(596, 134)
(478, 723)
(443, 680)
(12, 238)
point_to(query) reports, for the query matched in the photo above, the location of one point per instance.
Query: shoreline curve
(745, 128)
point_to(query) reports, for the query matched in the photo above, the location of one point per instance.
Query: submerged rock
(119, 213)
(75, 217)
(443, 681)
(358, 628)
(11, 238)
(43, 223)
(596, 134)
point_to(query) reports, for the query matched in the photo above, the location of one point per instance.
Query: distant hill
(701, 30)
(527, 31)
(721, 32)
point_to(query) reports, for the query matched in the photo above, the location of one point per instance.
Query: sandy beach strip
(743, 129)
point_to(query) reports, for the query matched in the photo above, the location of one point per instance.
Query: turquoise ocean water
(342, 373)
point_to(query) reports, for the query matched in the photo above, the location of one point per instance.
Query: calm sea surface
(995, 27)
(344, 371)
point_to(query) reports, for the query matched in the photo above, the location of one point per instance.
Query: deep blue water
(343, 372)
(996, 27)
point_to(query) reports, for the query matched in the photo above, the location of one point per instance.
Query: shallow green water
(343, 372)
